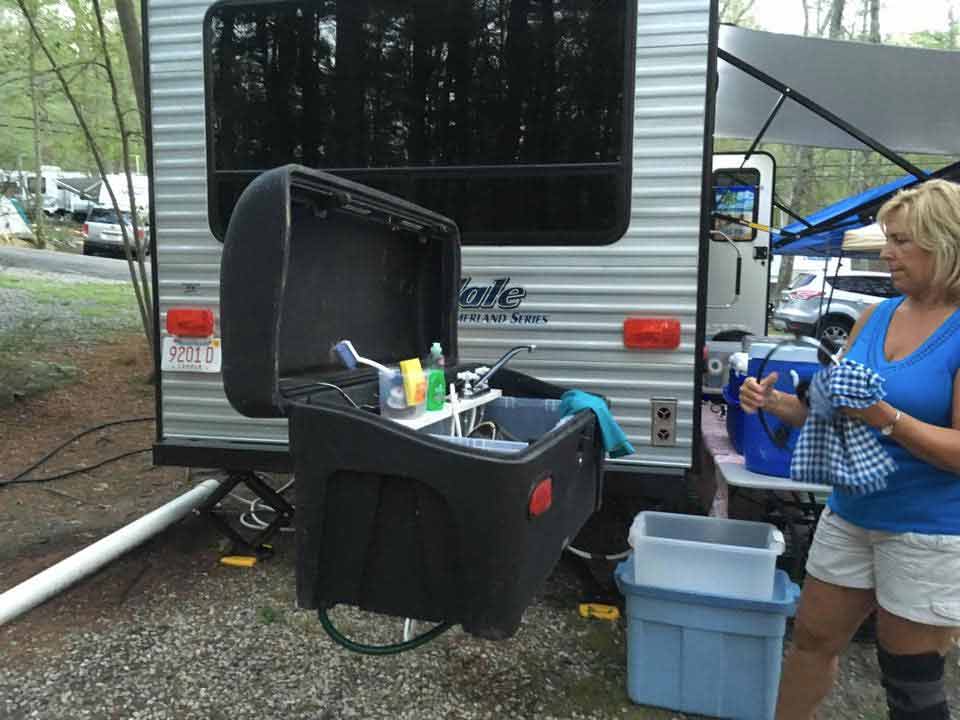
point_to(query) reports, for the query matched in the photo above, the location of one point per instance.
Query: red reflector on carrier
(651, 333)
(190, 322)
(542, 497)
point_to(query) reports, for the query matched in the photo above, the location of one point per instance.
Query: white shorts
(915, 576)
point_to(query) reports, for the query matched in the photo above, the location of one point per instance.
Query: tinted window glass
(106, 215)
(877, 285)
(507, 116)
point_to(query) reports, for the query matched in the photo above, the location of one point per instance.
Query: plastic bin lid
(784, 600)
(310, 259)
(784, 353)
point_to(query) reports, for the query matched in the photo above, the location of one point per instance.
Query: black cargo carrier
(389, 518)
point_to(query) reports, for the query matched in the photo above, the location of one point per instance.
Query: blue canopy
(829, 242)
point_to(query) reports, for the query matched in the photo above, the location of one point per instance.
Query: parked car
(837, 299)
(102, 234)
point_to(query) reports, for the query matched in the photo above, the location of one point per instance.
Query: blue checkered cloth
(837, 450)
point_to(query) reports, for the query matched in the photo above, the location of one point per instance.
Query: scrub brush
(348, 356)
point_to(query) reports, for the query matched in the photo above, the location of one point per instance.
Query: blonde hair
(933, 217)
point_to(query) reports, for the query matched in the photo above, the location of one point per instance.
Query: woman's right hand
(756, 394)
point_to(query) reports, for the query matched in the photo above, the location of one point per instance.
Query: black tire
(836, 329)
(731, 335)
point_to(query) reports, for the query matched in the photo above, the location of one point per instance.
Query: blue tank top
(919, 497)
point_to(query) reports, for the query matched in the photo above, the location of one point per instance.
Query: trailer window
(510, 117)
(735, 193)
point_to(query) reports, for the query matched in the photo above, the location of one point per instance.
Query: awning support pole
(766, 124)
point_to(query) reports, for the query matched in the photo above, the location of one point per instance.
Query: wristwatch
(887, 430)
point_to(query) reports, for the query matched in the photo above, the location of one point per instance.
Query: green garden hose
(393, 649)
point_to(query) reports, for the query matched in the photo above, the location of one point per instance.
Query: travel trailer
(571, 142)
(75, 193)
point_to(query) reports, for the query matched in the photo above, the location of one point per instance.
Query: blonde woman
(897, 550)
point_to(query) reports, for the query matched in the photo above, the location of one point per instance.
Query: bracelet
(887, 430)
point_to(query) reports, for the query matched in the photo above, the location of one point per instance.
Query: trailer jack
(256, 545)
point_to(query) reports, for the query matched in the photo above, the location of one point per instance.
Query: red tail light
(190, 322)
(541, 498)
(86, 230)
(642, 333)
(141, 234)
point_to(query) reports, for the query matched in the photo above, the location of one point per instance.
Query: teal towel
(614, 440)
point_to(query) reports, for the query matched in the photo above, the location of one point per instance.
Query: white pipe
(44, 585)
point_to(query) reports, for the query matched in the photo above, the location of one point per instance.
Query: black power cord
(76, 471)
(781, 435)
(20, 478)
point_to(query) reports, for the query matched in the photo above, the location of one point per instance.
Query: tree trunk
(141, 292)
(132, 246)
(130, 29)
(875, 22)
(38, 231)
(517, 56)
(836, 19)
(348, 137)
(801, 201)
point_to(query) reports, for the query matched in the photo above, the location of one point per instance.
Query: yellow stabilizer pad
(238, 560)
(600, 611)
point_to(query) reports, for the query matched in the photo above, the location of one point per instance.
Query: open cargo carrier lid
(388, 519)
(310, 259)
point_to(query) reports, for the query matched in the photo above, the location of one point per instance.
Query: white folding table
(795, 503)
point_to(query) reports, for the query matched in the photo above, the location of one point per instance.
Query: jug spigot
(482, 384)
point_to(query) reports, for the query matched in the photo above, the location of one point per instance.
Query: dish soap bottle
(436, 378)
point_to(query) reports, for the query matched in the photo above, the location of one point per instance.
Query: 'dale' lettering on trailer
(489, 296)
(498, 295)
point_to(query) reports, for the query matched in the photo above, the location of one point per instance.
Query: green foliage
(69, 31)
(811, 178)
(946, 40)
(738, 12)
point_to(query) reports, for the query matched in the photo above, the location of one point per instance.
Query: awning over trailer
(831, 241)
(847, 227)
(86, 187)
(905, 98)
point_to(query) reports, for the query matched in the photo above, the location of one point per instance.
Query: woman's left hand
(876, 416)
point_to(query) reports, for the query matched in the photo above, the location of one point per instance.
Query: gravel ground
(15, 308)
(199, 640)
(168, 633)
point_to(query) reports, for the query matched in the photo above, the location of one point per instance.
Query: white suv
(102, 234)
(836, 300)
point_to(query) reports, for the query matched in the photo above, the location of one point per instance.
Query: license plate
(780, 324)
(186, 355)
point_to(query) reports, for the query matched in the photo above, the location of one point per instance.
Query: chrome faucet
(481, 384)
